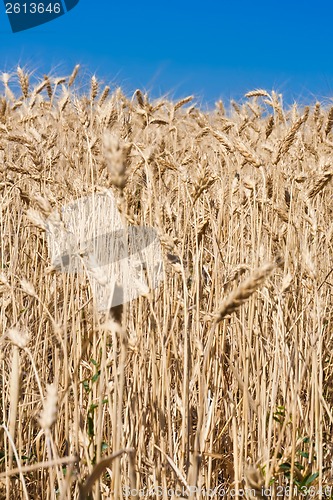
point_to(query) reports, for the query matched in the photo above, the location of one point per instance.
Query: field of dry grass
(218, 381)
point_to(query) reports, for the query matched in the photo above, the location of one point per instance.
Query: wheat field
(218, 383)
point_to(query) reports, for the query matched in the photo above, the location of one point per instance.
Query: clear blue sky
(212, 49)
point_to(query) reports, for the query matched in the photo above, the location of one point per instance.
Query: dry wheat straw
(193, 397)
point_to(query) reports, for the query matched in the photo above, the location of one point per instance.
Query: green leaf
(92, 408)
(310, 479)
(86, 385)
(96, 376)
(285, 466)
(104, 446)
(90, 421)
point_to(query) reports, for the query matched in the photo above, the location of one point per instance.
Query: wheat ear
(244, 291)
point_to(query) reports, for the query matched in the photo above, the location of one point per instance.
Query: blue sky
(214, 49)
